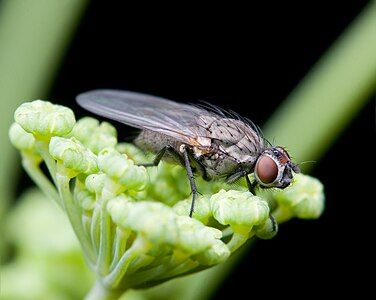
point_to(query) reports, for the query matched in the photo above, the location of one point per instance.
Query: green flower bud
(169, 183)
(267, 230)
(44, 119)
(159, 224)
(216, 254)
(134, 153)
(122, 170)
(195, 238)
(93, 135)
(305, 198)
(85, 199)
(201, 212)
(73, 155)
(95, 183)
(21, 139)
(240, 210)
(143, 217)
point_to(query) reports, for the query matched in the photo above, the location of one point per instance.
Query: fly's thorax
(233, 137)
(229, 130)
(229, 143)
(274, 168)
(217, 164)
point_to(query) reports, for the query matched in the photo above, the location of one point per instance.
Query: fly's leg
(156, 159)
(184, 162)
(191, 178)
(274, 223)
(160, 155)
(251, 185)
(236, 176)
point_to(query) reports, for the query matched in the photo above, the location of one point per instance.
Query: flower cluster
(132, 222)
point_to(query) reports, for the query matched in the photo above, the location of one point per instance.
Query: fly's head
(274, 168)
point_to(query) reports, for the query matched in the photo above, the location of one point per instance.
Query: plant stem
(99, 292)
(94, 228)
(237, 241)
(74, 216)
(105, 242)
(120, 242)
(86, 223)
(172, 264)
(139, 246)
(36, 174)
(42, 148)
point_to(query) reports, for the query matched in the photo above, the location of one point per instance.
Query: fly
(204, 139)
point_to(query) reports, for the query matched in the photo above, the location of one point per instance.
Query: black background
(247, 58)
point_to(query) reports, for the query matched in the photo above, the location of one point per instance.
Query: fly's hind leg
(160, 155)
(184, 161)
(183, 150)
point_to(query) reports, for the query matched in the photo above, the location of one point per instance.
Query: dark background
(248, 59)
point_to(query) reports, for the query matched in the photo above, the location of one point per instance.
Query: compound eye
(266, 169)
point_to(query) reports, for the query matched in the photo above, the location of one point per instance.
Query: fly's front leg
(236, 176)
(274, 223)
(251, 185)
(183, 150)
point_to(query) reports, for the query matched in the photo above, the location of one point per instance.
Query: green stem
(120, 242)
(105, 242)
(237, 241)
(94, 228)
(36, 174)
(86, 223)
(99, 292)
(42, 148)
(165, 266)
(74, 215)
(138, 247)
(141, 261)
(179, 268)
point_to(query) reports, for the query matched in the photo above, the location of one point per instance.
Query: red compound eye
(266, 169)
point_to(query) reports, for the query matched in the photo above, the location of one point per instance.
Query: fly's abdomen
(154, 142)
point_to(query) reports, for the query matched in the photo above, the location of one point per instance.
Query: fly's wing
(145, 112)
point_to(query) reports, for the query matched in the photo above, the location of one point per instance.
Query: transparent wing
(144, 111)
